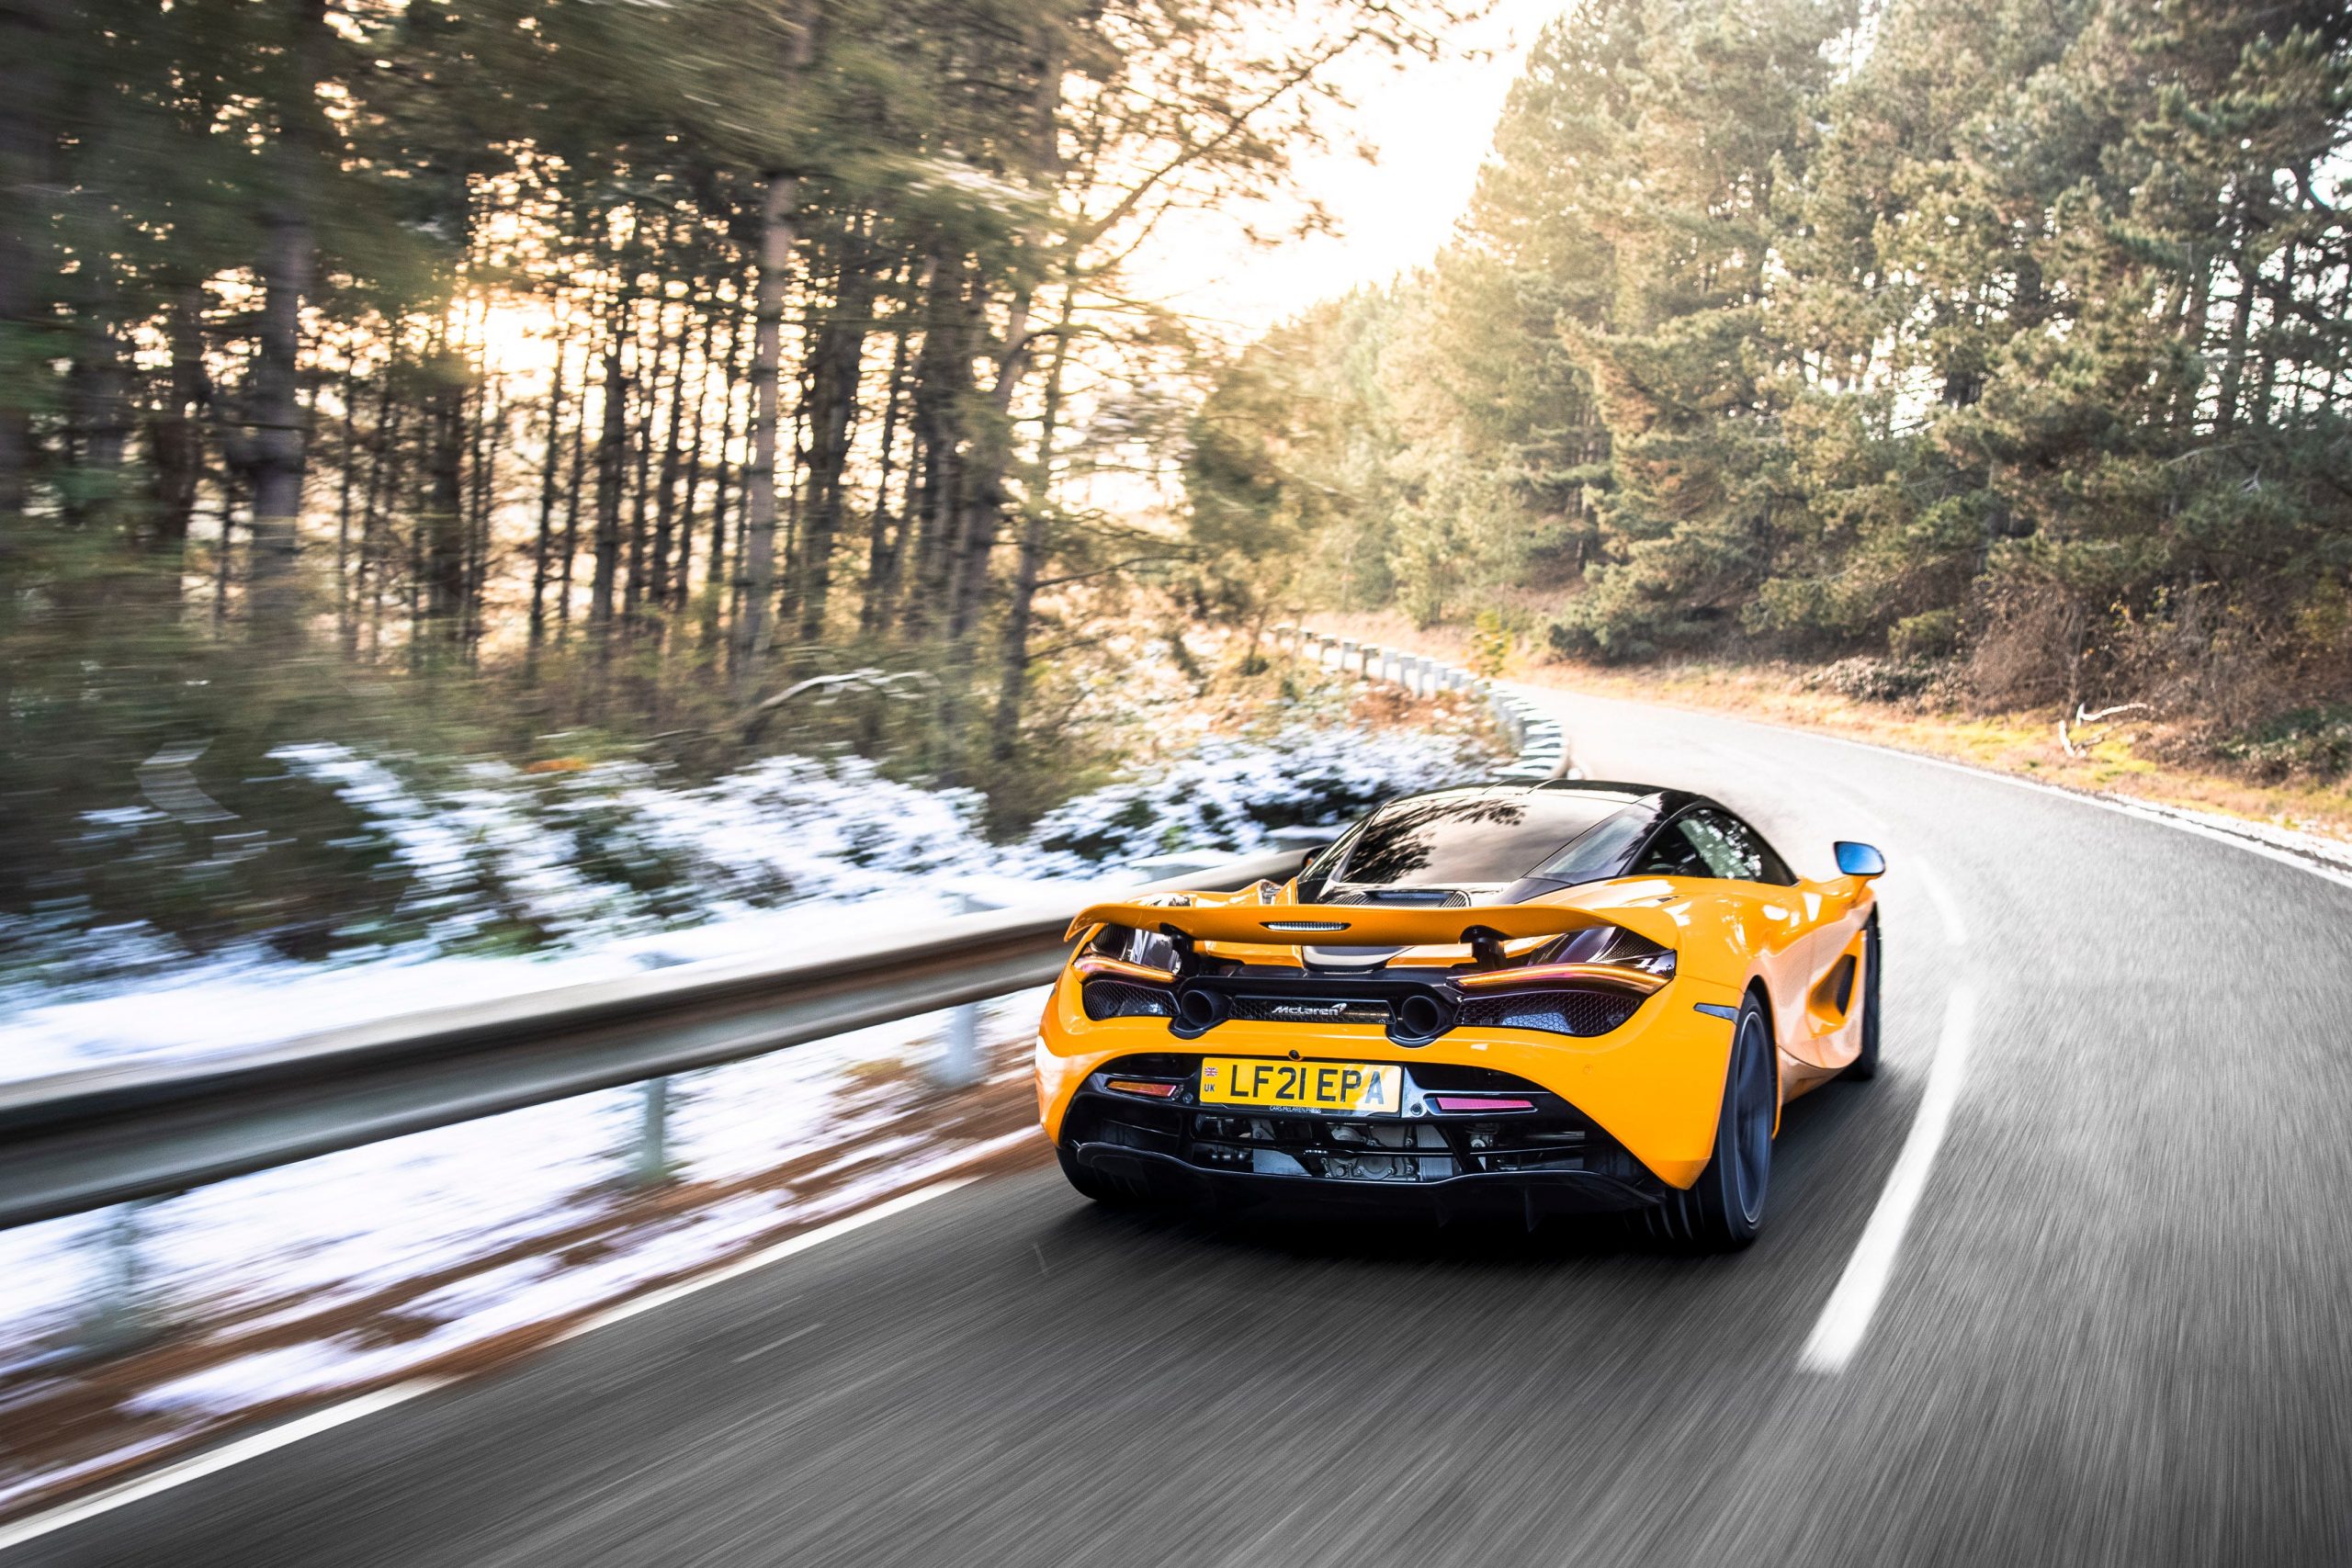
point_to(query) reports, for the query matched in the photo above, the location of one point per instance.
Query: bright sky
(1432, 124)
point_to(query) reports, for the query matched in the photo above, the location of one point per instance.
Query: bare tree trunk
(550, 469)
(985, 491)
(2225, 412)
(714, 574)
(289, 256)
(666, 502)
(176, 439)
(571, 493)
(943, 390)
(489, 430)
(882, 548)
(346, 622)
(30, 74)
(222, 570)
(1012, 683)
(441, 528)
(776, 220)
(382, 455)
(640, 592)
(836, 362)
(692, 477)
(612, 458)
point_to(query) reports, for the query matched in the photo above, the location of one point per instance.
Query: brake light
(1623, 977)
(1478, 1102)
(1137, 1085)
(1119, 968)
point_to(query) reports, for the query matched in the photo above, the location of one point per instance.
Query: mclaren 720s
(1559, 997)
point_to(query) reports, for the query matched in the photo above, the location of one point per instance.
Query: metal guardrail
(1542, 744)
(95, 1136)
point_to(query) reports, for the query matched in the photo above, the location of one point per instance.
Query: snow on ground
(310, 1252)
(616, 873)
(789, 851)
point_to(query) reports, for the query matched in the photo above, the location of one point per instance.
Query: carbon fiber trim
(1580, 1013)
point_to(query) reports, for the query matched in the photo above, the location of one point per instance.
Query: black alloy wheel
(1864, 1067)
(1725, 1209)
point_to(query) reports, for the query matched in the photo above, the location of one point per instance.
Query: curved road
(2114, 1331)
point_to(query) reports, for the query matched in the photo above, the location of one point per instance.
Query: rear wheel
(1865, 1066)
(1725, 1209)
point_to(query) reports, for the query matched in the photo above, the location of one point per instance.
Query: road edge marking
(254, 1445)
(1846, 1316)
(2123, 806)
(233, 1452)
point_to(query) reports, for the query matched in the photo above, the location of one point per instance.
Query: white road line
(35, 1526)
(218, 1458)
(2139, 810)
(1955, 932)
(778, 1343)
(1846, 1316)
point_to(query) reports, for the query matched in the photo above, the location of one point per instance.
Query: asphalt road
(2116, 1331)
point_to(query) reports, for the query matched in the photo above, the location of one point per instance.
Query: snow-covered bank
(458, 1246)
(605, 870)
(453, 1248)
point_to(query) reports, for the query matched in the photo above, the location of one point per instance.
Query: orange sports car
(1556, 998)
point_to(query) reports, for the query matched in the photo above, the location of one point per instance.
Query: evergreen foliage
(2014, 334)
(547, 374)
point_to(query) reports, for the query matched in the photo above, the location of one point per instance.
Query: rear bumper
(1469, 1139)
(1654, 1086)
(1531, 1194)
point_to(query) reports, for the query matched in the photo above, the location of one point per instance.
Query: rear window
(1456, 840)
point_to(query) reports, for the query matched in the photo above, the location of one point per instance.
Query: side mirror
(1859, 859)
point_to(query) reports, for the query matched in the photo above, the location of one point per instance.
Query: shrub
(2309, 742)
(1933, 634)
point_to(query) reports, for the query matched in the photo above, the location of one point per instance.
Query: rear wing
(1371, 925)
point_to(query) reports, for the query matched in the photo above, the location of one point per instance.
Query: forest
(564, 381)
(555, 380)
(1996, 349)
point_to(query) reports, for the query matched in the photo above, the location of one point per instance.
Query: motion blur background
(502, 496)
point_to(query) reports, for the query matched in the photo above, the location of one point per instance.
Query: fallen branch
(828, 687)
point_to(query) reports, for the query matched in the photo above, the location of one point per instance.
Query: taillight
(1144, 1086)
(1096, 964)
(1620, 976)
(1608, 957)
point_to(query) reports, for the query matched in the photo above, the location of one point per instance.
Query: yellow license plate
(1304, 1086)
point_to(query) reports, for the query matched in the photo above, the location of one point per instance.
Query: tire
(1723, 1210)
(1109, 1191)
(1864, 1067)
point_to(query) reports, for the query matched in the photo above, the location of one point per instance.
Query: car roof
(1524, 825)
(1618, 792)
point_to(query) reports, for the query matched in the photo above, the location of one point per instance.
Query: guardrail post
(122, 1313)
(958, 1063)
(1347, 650)
(650, 1167)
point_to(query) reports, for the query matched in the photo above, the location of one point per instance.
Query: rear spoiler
(1368, 925)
